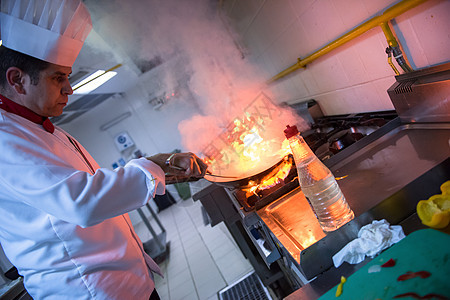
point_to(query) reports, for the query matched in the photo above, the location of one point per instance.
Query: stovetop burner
(330, 135)
(261, 198)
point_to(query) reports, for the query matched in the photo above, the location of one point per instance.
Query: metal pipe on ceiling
(385, 17)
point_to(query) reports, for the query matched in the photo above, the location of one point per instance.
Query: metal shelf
(157, 247)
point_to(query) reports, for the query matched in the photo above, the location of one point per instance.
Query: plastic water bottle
(318, 184)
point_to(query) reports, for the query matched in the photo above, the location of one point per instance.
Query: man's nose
(67, 88)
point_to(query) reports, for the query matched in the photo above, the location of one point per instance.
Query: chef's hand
(180, 164)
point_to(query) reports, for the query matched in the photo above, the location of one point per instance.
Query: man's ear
(15, 78)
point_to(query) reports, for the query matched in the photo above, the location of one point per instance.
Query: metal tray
(293, 217)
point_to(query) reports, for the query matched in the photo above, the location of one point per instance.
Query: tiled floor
(202, 259)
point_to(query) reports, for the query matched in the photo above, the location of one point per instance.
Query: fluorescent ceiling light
(92, 82)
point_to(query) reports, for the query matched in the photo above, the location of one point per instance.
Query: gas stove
(331, 134)
(327, 137)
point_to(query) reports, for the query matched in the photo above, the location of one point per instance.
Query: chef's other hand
(181, 164)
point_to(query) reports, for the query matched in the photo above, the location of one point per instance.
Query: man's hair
(28, 64)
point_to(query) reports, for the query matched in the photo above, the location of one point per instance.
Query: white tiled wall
(352, 78)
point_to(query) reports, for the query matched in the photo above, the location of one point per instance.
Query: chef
(64, 221)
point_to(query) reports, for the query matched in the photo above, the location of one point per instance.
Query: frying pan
(247, 180)
(244, 181)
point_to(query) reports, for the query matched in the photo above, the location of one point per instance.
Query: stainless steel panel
(423, 95)
(293, 222)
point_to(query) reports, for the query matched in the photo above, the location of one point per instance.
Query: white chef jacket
(67, 230)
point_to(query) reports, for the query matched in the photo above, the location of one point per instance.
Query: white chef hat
(51, 30)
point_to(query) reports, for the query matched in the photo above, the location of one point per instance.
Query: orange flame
(273, 178)
(244, 146)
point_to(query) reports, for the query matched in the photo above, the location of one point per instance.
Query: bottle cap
(290, 131)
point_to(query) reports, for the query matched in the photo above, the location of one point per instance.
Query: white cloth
(372, 239)
(65, 230)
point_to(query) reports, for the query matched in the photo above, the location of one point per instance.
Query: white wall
(353, 78)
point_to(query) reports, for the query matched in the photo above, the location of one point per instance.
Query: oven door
(261, 238)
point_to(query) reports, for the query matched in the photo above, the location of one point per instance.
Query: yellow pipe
(393, 44)
(389, 14)
(109, 70)
(389, 35)
(392, 65)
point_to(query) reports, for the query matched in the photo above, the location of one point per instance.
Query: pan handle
(207, 172)
(171, 179)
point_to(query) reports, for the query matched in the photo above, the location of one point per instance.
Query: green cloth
(422, 250)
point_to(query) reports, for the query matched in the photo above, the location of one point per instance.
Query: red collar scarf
(13, 107)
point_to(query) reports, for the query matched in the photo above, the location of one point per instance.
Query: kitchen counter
(384, 176)
(385, 286)
(331, 277)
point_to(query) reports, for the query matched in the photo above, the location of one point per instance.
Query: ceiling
(121, 36)
(160, 46)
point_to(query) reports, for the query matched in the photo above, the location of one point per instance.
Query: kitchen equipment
(342, 139)
(244, 181)
(220, 176)
(262, 239)
(243, 211)
(317, 138)
(397, 162)
(209, 174)
(422, 96)
(388, 173)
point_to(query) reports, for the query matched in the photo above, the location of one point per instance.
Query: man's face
(50, 95)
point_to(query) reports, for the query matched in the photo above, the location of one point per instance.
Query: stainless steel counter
(386, 174)
(392, 161)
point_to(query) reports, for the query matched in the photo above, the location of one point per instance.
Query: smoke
(196, 36)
